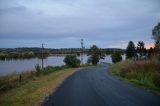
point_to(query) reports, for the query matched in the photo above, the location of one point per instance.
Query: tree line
(35, 52)
(140, 52)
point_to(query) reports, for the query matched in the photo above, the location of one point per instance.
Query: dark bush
(116, 57)
(50, 69)
(38, 69)
(72, 61)
(156, 81)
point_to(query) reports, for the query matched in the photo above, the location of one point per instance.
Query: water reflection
(21, 65)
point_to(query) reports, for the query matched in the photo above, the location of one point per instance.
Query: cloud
(96, 21)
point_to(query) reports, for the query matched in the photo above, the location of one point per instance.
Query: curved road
(95, 87)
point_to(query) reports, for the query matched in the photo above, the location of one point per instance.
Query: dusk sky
(62, 23)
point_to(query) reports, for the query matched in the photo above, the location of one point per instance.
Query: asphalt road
(96, 87)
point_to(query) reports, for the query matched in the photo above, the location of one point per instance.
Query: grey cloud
(93, 20)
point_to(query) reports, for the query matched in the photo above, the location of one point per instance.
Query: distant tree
(130, 51)
(72, 61)
(141, 50)
(156, 36)
(156, 33)
(157, 46)
(150, 52)
(116, 57)
(95, 54)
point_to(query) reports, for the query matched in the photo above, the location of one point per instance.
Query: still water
(12, 66)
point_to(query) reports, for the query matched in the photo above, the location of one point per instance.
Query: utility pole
(42, 56)
(82, 47)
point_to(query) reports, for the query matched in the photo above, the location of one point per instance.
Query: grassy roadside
(141, 73)
(34, 91)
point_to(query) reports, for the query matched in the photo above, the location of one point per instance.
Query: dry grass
(35, 91)
(143, 65)
(145, 73)
(14, 80)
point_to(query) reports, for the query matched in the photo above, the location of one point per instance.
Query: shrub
(38, 69)
(116, 57)
(72, 61)
(50, 69)
(156, 80)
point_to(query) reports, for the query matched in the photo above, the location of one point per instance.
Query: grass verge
(144, 73)
(33, 92)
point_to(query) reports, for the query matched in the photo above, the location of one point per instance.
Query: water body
(16, 66)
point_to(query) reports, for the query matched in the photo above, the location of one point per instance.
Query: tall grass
(35, 91)
(145, 73)
(14, 80)
(152, 65)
